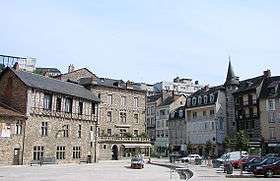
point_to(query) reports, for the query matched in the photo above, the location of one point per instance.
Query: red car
(244, 160)
(268, 170)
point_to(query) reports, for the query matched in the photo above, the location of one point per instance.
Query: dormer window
(212, 98)
(189, 101)
(172, 115)
(199, 100)
(181, 113)
(205, 99)
(194, 101)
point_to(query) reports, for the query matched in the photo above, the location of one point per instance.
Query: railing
(122, 139)
(61, 114)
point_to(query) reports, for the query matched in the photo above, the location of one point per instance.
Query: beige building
(60, 118)
(269, 104)
(11, 135)
(121, 124)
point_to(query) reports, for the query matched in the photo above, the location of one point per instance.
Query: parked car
(137, 162)
(244, 160)
(251, 160)
(231, 156)
(251, 167)
(268, 170)
(191, 158)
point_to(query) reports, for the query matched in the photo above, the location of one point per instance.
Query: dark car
(251, 160)
(251, 167)
(268, 170)
(137, 162)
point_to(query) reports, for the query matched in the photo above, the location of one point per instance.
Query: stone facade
(54, 128)
(121, 114)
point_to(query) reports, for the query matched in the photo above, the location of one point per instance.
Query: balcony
(123, 140)
(53, 113)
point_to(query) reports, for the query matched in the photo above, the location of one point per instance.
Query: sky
(146, 40)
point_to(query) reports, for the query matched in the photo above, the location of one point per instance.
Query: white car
(191, 158)
(232, 156)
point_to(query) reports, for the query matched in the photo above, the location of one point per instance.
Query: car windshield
(136, 159)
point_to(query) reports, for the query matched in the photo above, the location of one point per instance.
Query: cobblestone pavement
(103, 171)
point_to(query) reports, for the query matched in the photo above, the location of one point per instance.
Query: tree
(242, 141)
(227, 143)
(209, 147)
(190, 147)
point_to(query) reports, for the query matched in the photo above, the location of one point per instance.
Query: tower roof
(231, 78)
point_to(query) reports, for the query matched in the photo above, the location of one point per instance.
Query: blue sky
(146, 40)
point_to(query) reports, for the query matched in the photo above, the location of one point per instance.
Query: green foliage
(39, 72)
(227, 143)
(209, 148)
(144, 135)
(242, 141)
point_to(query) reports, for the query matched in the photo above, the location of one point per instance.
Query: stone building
(152, 103)
(49, 72)
(205, 119)
(121, 114)
(11, 135)
(168, 104)
(61, 116)
(177, 126)
(269, 105)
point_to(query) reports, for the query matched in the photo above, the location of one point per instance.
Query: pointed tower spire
(231, 78)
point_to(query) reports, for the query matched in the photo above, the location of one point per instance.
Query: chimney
(16, 66)
(267, 73)
(206, 88)
(71, 68)
(196, 82)
(129, 84)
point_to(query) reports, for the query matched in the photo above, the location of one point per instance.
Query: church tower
(231, 85)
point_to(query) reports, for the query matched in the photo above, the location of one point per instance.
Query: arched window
(194, 101)
(205, 99)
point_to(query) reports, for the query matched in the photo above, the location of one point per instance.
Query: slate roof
(54, 85)
(169, 100)
(176, 113)
(249, 84)
(6, 111)
(203, 92)
(153, 98)
(231, 78)
(271, 87)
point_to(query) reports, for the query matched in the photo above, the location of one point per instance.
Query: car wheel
(269, 174)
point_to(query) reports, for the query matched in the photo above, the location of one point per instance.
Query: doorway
(115, 151)
(16, 156)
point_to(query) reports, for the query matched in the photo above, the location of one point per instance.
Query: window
(204, 113)
(199, 100)
(271, 133)
(47, 102)
(212, 98)
(68, 105)
(136, 133)
(189, 101)
(60, 152)
(194, 101)
(38, 152)
(221, 122)
(76, 152)
(104, 147)
(213, 125)
(135, 101)
(18, 128)
(136, 118)
(205, 126)
(123, 101)
(109, 132)
(122, 132)
(93, 107)
(205, 99)
(99, 95)
(44, 129)
(194, 114)
(109, 99)
(123, 117)
(271, 104)
(212, 112)
(80, 108)
(58, 104)
(5, 130)
(66, 131)
(109, 116)
(80, 131)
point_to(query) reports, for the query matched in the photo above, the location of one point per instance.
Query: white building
(179, 85)
(25, 63)
(168, 104)
(205, 117)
